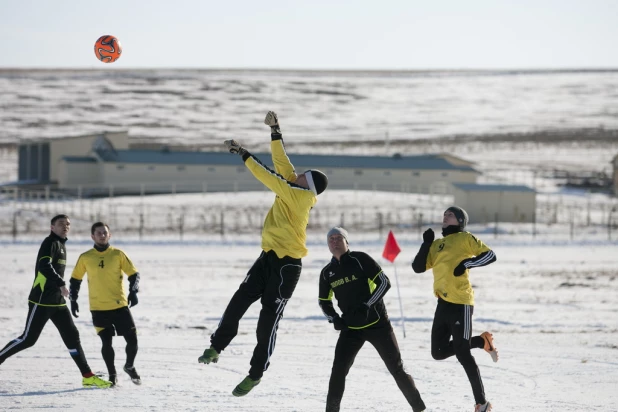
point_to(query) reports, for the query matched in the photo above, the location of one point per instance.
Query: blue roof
(474, 187)
(422, 162)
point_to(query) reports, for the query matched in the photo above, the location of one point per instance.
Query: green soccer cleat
(210, 355)
(245, 386)
(95, 382)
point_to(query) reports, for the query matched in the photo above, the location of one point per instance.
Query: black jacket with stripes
(359, 284)
(49, 272)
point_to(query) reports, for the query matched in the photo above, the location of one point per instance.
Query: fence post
(609, 226)
(14, 229)
(141, 225)
(222, 225)
(420, 225)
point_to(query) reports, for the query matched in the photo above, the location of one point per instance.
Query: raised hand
(234, 147)
(428, 236)
(272, 120)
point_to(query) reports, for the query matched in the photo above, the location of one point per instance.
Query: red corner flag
(391, 248)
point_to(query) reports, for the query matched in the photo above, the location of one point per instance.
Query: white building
(105, 162)
(496, 203)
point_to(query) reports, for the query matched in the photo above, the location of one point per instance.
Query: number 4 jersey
(105, 277)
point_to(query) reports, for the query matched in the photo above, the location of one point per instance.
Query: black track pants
(455, 320)
(383, 339)
(273, 280)
(37, 318)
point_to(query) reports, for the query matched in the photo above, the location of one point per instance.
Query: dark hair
(96, 225)
(53, 221)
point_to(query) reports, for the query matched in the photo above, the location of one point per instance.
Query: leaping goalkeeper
(274, 275)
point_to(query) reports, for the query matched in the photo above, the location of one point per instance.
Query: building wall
(221, 178)
(80, 146)
(482, 206)
(156, 177)
(72, 175)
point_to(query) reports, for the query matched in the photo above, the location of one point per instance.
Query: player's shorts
(119, 321)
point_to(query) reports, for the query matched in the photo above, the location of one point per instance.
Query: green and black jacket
(49, 272)
(359, 284)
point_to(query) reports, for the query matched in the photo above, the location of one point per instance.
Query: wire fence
(187, 217)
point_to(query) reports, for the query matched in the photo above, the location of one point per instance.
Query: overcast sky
(313, 34)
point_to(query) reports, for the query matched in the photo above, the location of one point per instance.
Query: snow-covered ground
(550, 300)
(552, 310)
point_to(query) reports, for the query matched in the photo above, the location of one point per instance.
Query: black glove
(339, 323)
(74, 308)
(132, 299)
(234, 147)
(460, 269)
(428, 236)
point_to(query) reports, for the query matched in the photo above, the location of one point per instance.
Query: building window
(119, 167)
(181, 168)
(416, 174)
(151, 167)
(358, 172)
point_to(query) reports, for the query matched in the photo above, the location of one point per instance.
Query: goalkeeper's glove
(234, 147)
(273, 121)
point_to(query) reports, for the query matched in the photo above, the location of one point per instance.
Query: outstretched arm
(283, 165)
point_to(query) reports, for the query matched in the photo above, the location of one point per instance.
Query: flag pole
(391, 250)
(403, 320)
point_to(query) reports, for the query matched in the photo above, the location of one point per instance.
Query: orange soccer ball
(107, 49)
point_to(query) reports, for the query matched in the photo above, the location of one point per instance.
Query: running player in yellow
(451, 259)
(274, 275)
(109, 304)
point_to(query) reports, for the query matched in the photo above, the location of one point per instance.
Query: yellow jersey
(105, 270)
(444, 255)
(285, 226)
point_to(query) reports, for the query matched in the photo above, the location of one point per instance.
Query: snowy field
(552, 310)
(551, 300)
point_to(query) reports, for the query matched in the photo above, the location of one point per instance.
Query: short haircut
(98, 224)
(55, 218)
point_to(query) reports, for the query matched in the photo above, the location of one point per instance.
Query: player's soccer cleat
(95, 381)
(133, 374)
(486, 407)
(245, 386)
(210, 355)
(113, 378)
(489, 345)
